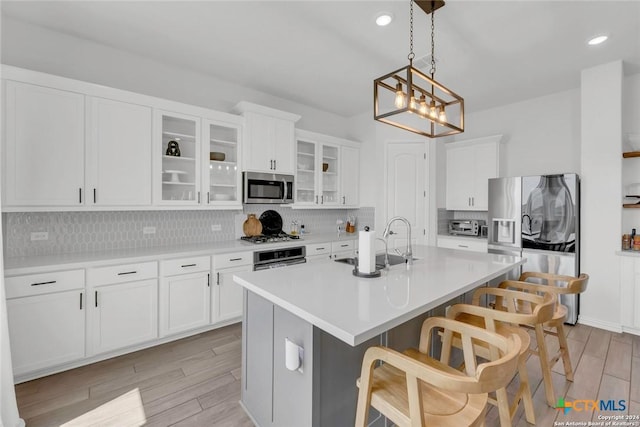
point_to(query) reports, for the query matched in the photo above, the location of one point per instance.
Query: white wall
(35, 48)
(601, 195)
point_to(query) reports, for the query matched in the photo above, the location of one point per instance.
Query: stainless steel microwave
(267, 188)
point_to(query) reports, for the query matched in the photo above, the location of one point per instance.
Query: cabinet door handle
(188, 265)
(473, 201)
(51, 282)
(208, 198)
(235, 259)
(80, 195)
(198, 197)
(208, 280)
(271, 164)
(275, 165)
(80, 300)
(463, 246)
(316, 200)
(218, 278)
(344, 201)
(322, 199)
(344, 245)
(94, 196)
(320, 249)
(127, 272)
(96, 298)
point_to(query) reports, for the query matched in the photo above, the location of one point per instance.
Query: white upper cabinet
(222, 173)
(268, 144)
(327, 171)
(350, 175)
(44, 146)
(177, 143)
(470, 165)
(118, 154)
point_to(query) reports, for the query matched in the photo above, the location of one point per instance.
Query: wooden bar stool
(555, 326)
(512, 308)
(429, 392)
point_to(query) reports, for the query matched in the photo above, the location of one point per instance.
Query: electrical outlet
(40, 235)
(216, 227)
(148, 230)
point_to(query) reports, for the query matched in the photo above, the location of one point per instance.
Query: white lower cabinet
(46, 314)
(316, 252)
(630, 293)
(226, 298)
(343, 249)
(185, 289)
(123, 309)
(472, 244)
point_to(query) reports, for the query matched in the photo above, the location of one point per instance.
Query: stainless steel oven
(275, 258)
(267, 188)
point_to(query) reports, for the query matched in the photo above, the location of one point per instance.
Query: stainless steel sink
(393, 260)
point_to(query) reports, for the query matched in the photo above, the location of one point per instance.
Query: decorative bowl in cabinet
(217, 156)
(325, 167)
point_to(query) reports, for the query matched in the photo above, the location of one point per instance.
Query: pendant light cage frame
(411, 100)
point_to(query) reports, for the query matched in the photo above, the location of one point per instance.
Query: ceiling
(326, 54)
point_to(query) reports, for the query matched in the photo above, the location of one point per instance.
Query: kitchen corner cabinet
(226, 297)
(327, 171)
(87, 151)
(44, 146)
(184, 299)
(123, 305)
(268, 144)
(46, 315)
(470, 164)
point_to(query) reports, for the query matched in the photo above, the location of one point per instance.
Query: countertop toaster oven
(465, 227)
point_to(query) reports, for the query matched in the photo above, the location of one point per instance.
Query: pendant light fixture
(412, 100)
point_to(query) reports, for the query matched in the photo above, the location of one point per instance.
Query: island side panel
(292, 390)
(337, 367)
(257, 354)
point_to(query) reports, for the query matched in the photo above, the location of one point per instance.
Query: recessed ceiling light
(384, 18)
(597, 40)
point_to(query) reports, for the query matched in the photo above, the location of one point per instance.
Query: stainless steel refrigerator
(538, 218)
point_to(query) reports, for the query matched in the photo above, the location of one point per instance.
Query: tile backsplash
(73, 232)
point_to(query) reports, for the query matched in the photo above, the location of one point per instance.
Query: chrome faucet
(408, 254)
(386, 252)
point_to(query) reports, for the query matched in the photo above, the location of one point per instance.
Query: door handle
(80, 300)
(344, 200)
(96, 298)
(94, 196)
(208, 280)
(208, 198)
(275, 165)
(218, 278)
(80, 195)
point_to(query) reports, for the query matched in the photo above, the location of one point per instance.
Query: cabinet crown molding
(244, 107)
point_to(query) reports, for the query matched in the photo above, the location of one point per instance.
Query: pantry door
(406, 191)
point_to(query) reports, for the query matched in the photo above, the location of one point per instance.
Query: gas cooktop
(270, 238)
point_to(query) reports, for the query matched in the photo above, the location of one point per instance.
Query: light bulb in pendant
(433, 113)
(442, 116)
(423, 105)
(400, 98)
(413, 103)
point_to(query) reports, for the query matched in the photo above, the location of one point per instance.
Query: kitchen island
(334, 316)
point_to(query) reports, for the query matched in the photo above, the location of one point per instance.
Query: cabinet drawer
(121, 273)
(347, 245)
(318, 249)
(233, 259)
(463, 244)
(44, 283)
(185, 265)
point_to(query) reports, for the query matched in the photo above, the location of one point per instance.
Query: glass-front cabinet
(222, 174)
(317, 181)
(180, 152)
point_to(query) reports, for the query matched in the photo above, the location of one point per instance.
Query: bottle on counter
(636, 243)
(302, 229)
(626, 242)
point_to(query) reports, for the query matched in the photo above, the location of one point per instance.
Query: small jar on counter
(636, 243)
(626, 242)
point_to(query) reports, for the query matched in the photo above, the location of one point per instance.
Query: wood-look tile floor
(195, 382)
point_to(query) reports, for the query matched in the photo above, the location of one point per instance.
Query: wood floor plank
(174, 414)
(634, 393)
(576, 348)
(227, 413)
(622, 337)
(587, 377)
(146, 378)
(598, 343)
(169, 365)
(41, 407)
(612, 388)
(237, 373)
(224, 362)
(636, 346)
(220, 394)
(618, 361)
(579, 332)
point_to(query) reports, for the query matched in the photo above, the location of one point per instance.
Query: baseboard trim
(597, 323)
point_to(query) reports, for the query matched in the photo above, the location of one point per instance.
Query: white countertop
(353, 309)
(37, 264)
